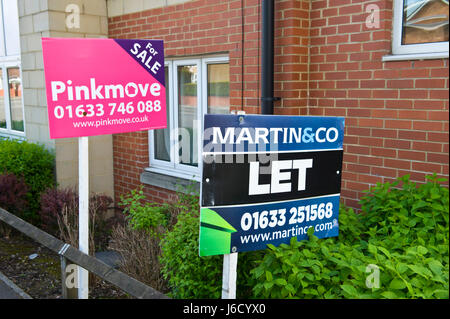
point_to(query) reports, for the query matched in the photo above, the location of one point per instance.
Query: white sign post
(229, 272)
(83, 217)
(229, 276)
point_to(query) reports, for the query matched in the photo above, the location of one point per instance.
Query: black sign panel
(226, 178)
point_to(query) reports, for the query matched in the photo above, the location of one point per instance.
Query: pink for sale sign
(104, 86)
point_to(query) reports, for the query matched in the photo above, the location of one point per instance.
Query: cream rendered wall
(47, 18)
(33, 24)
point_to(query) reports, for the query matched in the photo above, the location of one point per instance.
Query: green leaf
(293, 241)
(397, 284)
(280, 281)
(385, 251)
(268, 285)
(350, 290)
(435, 267)
(269, 276)
(422, 250)
(389, 295)
(437, 207)
(291, 289)
(309, 276)
(310, 232)
(372, 249)
(401, 268)
(441, 293)
(421, 270)
(321, 290)
(257, 271)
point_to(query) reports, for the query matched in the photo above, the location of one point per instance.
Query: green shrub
(310, 268)
(152, 218)
(138, 240)
(410, 215)
(188, 275)
(402, 232)
(191, 276)
(35, 165)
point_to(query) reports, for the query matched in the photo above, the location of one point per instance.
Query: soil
(40, 277)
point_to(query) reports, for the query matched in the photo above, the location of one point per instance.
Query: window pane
(425, 21)
(11, 25)
(2, 102)
(162, 136)
(219, 88)
(15, 99)
(187, 114)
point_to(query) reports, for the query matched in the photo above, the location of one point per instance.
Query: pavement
(8, 290)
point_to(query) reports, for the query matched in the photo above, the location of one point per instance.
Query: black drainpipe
(267, 36)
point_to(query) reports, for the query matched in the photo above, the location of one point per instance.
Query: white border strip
(269, 203)
(271, 152)
(414, 56)
(63, 249)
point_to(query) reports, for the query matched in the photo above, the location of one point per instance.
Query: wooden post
(83, 218)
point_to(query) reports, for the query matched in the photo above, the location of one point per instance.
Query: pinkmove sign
(104, 86)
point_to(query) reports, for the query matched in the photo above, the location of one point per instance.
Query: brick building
(371, 62)
(381, 64)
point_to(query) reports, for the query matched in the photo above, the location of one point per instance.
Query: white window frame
(412, 51)
(178, 165)
(10, 60)
(2, 33)
(5, 64)
(174, 167)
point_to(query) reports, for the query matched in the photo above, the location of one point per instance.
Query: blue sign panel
(228, 133)
(267, 179)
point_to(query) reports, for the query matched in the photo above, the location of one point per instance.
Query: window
(420, 27)
(11, 103)
(193, 87)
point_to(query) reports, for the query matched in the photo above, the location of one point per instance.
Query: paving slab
(8, 290)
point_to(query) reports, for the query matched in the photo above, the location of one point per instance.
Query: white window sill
(174, 173)
(416, 56)
(12, 134)
(171, 180)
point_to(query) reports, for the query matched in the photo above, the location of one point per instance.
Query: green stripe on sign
(215, 233)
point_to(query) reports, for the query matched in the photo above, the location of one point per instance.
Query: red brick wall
(396, 112)
(291, 57)
(193, 28)
(327, 62)
(214, 26)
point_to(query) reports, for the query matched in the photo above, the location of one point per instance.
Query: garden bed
(40, 277)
